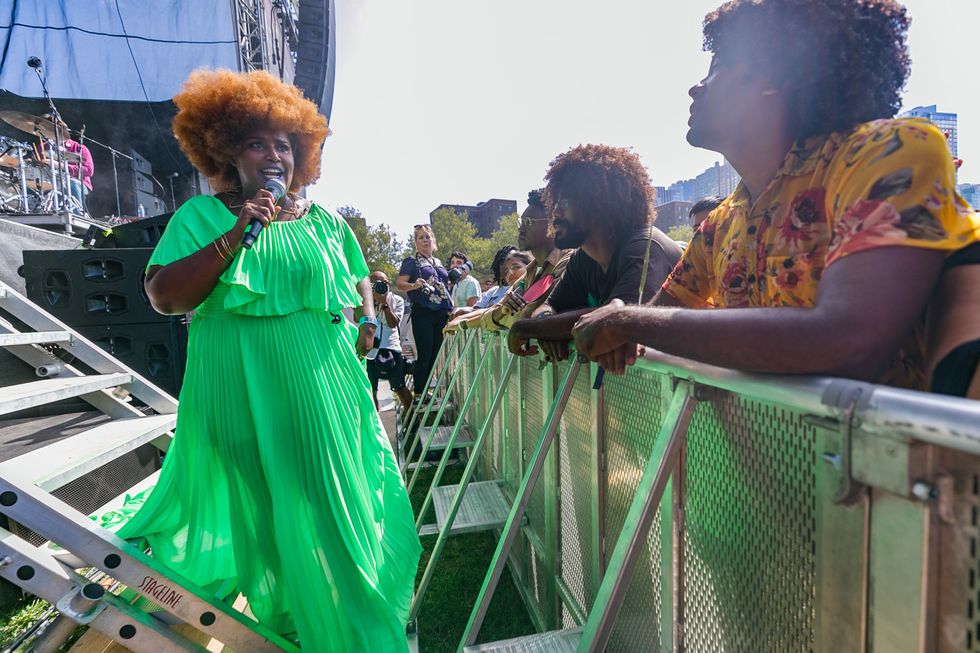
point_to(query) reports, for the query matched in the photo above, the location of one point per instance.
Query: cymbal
(9, 161)
(28, 123)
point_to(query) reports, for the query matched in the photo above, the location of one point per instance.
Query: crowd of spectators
(845, 250)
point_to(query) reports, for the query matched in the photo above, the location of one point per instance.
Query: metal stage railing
(683, 507)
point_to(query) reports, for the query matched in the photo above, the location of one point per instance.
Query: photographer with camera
(466, 289)
(424, 279)
(387, 363)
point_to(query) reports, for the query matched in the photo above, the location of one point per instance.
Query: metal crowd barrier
(760, 513)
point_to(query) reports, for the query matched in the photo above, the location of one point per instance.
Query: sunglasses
(526, 222)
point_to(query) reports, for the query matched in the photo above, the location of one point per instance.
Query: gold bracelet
(223, 241)
(217, 248)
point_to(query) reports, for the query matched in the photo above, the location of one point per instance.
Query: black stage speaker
(142, 233)
(91, 287)
(156, 351)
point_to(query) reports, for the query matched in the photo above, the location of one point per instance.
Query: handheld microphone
(34, 62)
(278, 189)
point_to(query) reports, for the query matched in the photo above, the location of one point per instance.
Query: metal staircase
(140, 413)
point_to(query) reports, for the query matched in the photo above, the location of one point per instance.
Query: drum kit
(36, 179)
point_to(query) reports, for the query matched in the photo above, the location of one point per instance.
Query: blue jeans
(78, 191)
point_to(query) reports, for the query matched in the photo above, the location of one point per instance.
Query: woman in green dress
(280, 481)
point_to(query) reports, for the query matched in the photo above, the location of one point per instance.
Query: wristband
(368, 320)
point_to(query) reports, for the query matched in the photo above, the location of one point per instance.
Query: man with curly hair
(823, 259)
(601, 201)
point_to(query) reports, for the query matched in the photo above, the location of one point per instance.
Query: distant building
(681, 191)
(673, 214)
(971, 193)
(720, 179)
(485, 216)
(947, 122)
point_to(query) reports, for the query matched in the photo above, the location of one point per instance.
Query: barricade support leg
(460, 489)
(514, 519)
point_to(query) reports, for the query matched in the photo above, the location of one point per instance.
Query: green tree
(454, 233)
(682, 232)
(485, 248)
(380, 246)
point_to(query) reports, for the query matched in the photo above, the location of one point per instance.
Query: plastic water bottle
(140, 211)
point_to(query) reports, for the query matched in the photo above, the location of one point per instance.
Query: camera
(457, 272)
(380, 287)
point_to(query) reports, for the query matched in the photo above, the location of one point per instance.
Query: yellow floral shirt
(884, 183)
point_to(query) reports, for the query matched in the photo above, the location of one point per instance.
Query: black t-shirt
(585, 285)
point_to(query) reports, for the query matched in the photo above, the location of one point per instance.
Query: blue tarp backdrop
(127, 50)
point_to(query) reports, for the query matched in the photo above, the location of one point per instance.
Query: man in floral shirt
(834, 240)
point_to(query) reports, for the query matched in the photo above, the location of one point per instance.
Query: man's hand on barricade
(554, 350)
(520, 346)
(597, 339)
(617, 360)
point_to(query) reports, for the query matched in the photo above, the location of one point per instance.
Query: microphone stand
(115, 173)
(58, 205)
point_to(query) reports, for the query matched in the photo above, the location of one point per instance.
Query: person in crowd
(487, 284)
(512, 269)
(387, 363)
(466, 289)
(499, 288)
(601, 201)
(280, 481)
(702, 208)
(823, 259)
(543, 272)
(425, 280)
(80, 169)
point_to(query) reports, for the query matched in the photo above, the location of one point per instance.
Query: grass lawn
(457, 581)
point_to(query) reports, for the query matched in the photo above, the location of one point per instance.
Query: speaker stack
(99, 292)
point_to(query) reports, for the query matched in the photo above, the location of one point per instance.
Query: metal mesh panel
(93, 490)
(972, 578)
(576, 448)
(633, 413)
(536, 405)
(750, 534)
(510, 444)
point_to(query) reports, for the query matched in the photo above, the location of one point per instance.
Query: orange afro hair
(217, 109)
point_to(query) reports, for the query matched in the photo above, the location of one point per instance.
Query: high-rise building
(485, 216)
(947, 122)
(971, 193)
(720, 179)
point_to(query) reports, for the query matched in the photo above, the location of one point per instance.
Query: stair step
(484, 507)
(60, 463)
(439, 437)
(555, 641)
(36, 393)
(35, 338)
(72, 561)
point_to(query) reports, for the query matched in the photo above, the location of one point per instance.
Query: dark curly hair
(535, 198)
(217, 109)
(498, 261)
(840, 62)
(608, 184)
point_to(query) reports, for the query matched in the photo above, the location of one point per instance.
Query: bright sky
(458, 101)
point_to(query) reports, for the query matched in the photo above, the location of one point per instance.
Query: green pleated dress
(280, 480)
